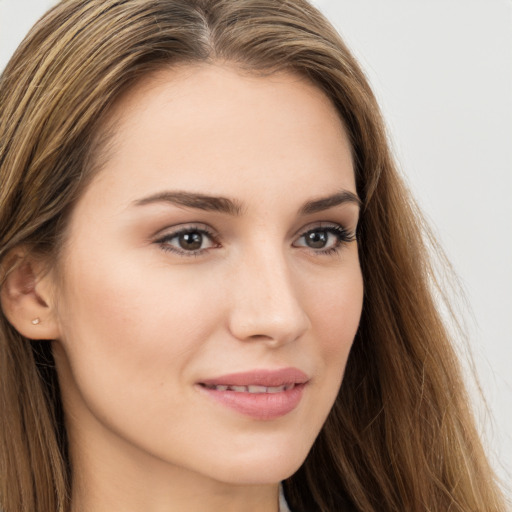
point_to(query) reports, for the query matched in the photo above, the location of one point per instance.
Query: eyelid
(183, 228)
(325, 225)
(345, 236)
(174, 231)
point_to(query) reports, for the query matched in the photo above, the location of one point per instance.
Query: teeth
(253, 389)
(257, 389)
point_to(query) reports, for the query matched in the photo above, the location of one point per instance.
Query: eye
(325, 239)
(190, 241)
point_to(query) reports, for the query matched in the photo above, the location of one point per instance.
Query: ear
(26, 297)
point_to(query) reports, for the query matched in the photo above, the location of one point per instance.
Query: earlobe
(25, 298)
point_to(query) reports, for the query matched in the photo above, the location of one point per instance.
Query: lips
(266, 378)
(260, 394)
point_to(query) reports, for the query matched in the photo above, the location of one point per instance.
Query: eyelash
(163, 241)
(344, 237)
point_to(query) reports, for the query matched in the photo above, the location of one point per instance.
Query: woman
(177, 332)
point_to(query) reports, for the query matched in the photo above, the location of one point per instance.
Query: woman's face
(210, 286)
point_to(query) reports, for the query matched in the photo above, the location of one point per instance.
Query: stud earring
(36, 321)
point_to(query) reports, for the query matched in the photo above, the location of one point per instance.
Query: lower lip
(260, 406)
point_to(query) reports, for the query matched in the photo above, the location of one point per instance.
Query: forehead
(211, 126)
(213, 83)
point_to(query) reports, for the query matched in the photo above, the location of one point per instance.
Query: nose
(265, 303)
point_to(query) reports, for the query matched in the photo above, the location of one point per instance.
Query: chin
(259, 469)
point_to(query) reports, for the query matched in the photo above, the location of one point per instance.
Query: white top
(283, 506)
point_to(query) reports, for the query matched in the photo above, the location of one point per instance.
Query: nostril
(259, 337)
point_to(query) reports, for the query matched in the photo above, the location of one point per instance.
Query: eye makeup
(197, 239)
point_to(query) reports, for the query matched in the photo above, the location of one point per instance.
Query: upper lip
(263, 377)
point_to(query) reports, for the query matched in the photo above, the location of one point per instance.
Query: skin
(139, 324)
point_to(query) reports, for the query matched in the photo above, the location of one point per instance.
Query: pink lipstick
(261, 394)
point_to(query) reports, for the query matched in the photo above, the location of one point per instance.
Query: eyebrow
(324, 203)
(195, 200)
(236, 208)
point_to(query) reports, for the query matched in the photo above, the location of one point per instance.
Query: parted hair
(401, 435)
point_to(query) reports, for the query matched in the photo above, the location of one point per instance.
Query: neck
(119, 497)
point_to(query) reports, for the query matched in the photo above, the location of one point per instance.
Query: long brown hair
(400, 435)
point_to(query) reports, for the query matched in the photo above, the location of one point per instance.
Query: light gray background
(442, 70)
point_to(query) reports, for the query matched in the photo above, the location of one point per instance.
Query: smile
(252, 389)
(259, 394)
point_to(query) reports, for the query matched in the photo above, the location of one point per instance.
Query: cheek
(131, 333)
(123, 320)
(341, 313)
(336, 312)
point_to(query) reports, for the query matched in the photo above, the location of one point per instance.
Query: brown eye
(316, 239)
(323, 240)
(190, 241)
